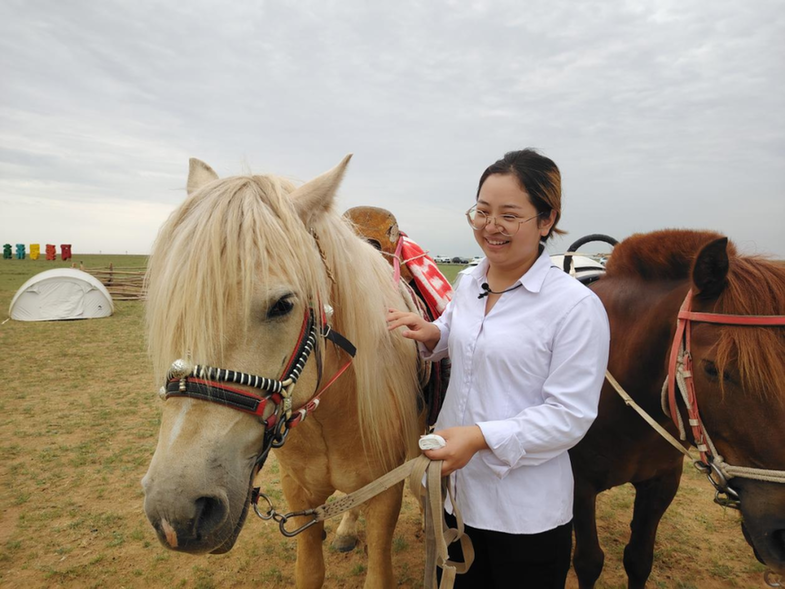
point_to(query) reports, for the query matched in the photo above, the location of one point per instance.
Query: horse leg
(309, 569)
(652, 499)
(380, 518)
(588, 558)
(346, 535)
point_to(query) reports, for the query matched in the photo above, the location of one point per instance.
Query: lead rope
(438, 535)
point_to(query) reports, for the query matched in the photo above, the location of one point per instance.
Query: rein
(438, 536)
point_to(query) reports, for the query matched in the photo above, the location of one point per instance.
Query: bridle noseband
(204, 383)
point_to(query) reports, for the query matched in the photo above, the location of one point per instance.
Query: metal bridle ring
(772, 579)
(720, 483)
(270, 512)
(280, 433)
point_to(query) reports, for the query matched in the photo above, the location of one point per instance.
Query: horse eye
(711, 371)
(282, 306)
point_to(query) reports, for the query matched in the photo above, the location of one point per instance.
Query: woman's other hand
(417, 328)
(463, 442)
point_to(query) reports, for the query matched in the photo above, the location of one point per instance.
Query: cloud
(659, 114)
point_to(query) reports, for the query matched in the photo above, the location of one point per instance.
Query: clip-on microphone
(488, 290)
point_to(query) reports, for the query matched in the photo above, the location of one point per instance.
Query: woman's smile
(496, 243)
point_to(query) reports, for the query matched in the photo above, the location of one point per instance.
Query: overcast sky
(659, 113)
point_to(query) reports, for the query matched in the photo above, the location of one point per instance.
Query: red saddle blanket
(434, 288)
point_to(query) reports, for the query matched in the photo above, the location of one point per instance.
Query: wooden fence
(124, 284)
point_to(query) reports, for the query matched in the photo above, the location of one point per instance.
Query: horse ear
(316, 196)
(199, 174)
(711, 269)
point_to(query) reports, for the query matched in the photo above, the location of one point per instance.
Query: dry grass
(78, 423)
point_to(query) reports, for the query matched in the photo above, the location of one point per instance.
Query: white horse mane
(216, 245)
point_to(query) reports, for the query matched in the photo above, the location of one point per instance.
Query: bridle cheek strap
(298, 415)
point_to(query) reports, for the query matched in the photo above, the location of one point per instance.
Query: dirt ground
(79, 418)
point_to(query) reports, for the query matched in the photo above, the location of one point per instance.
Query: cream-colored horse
(233, 272)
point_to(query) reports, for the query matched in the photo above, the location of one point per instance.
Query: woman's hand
(418, 328)
(463, 442)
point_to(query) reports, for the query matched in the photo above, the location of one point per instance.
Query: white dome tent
(61, 294)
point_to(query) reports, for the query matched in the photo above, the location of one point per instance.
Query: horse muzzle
(197, 522)
(194, 526)
(763, 513)
(768, 543)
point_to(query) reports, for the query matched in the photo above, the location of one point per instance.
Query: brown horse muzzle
(763, 513)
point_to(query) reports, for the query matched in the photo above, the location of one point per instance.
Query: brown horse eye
(711, 371)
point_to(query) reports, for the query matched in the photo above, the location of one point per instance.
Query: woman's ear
(546, 223)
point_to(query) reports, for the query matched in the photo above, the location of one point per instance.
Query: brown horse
(739, 376)
(245, 276)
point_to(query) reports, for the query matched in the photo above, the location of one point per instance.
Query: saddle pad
(433, 286)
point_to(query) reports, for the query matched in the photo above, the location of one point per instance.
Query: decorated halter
(203, 383)
(680, 376)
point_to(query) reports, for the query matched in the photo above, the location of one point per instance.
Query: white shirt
(529, 375)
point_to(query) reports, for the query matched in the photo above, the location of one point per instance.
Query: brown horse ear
(199, 174)
(317, 195)
(711, 269)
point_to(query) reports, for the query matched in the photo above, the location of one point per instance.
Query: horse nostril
(778, 544)
(210, 513)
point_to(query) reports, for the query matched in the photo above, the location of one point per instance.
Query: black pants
(506, 561)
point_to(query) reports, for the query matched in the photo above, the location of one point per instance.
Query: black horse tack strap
(206, 390)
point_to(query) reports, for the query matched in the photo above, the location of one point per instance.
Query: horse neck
(643, 319)
(384, 381)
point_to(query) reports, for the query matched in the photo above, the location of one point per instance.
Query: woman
(529, 348)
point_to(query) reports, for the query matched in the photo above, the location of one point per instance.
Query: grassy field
(79, 418)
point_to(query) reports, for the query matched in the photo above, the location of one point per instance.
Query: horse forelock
(755, 286)
(208, 257)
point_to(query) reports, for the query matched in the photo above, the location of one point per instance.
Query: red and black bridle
(204, 383)
(680, 363)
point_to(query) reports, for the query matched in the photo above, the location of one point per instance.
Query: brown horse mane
(660, 255)
(754, 286)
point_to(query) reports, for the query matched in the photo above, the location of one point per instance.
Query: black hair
(539, 177)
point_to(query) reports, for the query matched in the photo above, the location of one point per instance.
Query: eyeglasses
(508, 224)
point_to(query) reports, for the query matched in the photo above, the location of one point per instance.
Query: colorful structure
(65, 251)
(51, 251)
(20, 251)
(7, 254)
(35, 251)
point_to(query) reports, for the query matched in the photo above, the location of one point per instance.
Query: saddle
(428, 288)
